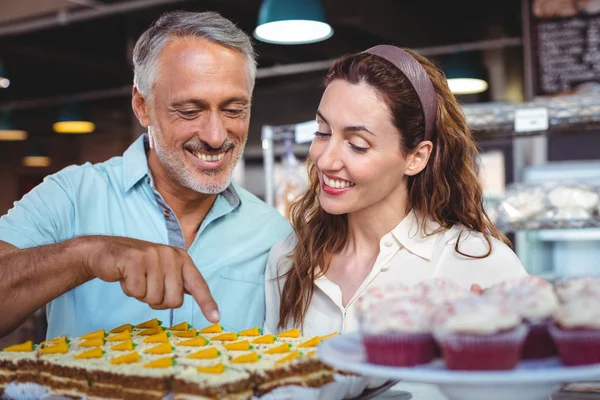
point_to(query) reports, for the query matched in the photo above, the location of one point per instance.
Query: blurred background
(531, 98)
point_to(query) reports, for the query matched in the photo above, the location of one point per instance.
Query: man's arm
(30, 278)
(152, 273)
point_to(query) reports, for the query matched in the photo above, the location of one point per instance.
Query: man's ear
(418, 159)
(140, 107)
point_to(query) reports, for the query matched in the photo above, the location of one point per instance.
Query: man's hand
(155, 274)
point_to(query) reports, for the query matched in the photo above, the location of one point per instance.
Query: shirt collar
(409, 233)
(135, 163)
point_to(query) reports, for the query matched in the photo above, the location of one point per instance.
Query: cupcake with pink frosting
(396, 320)
(479, 333)
(535, 301)
(398, 333)
(576, 330)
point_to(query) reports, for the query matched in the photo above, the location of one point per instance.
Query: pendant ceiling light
(36, 157)
(292, 22)
(465, 73)
(8, 132)
(4, 81)
(71, 121)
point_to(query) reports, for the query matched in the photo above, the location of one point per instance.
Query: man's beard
(188, 175)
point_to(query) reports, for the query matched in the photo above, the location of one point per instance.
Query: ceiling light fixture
(292, 22)
(8, 132)
(4, 81)
(71, 121)
(465, 74)
(36, 157)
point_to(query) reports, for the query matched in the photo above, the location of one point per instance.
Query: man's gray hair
(206, 25)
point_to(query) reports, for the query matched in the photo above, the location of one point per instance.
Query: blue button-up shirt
(117, 198)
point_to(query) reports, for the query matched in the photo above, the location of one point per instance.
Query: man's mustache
(204, 147)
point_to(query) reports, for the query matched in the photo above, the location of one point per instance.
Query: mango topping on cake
(292, 333)
(94, 335)
(158, 338)
(199, 341)
(184, 326)
(287, 358)
(284, 348)
(191, 333)
(266, 339)
(92, 343)
(251, 332)
(125, 346)
(58, 348)
(213, 369)
(126, 359)
(311, 343)
(151, 331)
(334, 334)
(246, 358)
(122, 328)
(151, 323)
(94, 353)
(23, 347)
(119, 337)
(241, 345)
(161, 363)
(216, 328)
(164, 348)
(205, 354)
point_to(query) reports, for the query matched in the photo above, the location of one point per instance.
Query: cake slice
(212, 382)
(18, 362)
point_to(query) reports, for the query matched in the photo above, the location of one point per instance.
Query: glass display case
(568, 249)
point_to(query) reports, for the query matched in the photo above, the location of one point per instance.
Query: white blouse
(405, 255)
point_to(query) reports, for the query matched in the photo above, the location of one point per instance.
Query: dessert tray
(531, 380)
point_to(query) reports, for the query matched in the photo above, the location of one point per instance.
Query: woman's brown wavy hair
(447, 190)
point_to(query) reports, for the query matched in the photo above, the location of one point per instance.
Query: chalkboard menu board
(565, 38)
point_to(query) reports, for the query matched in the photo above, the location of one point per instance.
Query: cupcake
(397, 331)
(439, 290)
(479, 334)
(573, 288)
(535, 301)
(576, 330)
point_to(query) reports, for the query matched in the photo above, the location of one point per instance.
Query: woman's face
(357, 151)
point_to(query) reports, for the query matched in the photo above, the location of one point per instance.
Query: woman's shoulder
(475, 243)
(279, 255)
(284, 247)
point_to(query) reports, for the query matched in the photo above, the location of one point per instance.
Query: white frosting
(408, 315)
(406, 308)
(581, 312)
(532, 297)
(575, 287)
(230, 375)
(476, 315)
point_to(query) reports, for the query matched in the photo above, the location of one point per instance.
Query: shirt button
(166, 213)
(388, 243)
(148, 180)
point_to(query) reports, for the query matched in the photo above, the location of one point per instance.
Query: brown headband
(417, 76)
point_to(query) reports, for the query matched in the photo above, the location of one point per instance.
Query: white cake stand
(531, 380)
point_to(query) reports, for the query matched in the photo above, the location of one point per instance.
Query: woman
(393, 196)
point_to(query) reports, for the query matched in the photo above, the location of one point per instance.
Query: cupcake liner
(498, 351)
(576, 346)
(538, 344)
(399, 349)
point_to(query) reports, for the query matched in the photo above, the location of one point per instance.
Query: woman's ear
(418, 158)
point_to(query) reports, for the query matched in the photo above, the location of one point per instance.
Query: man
(163, 223)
